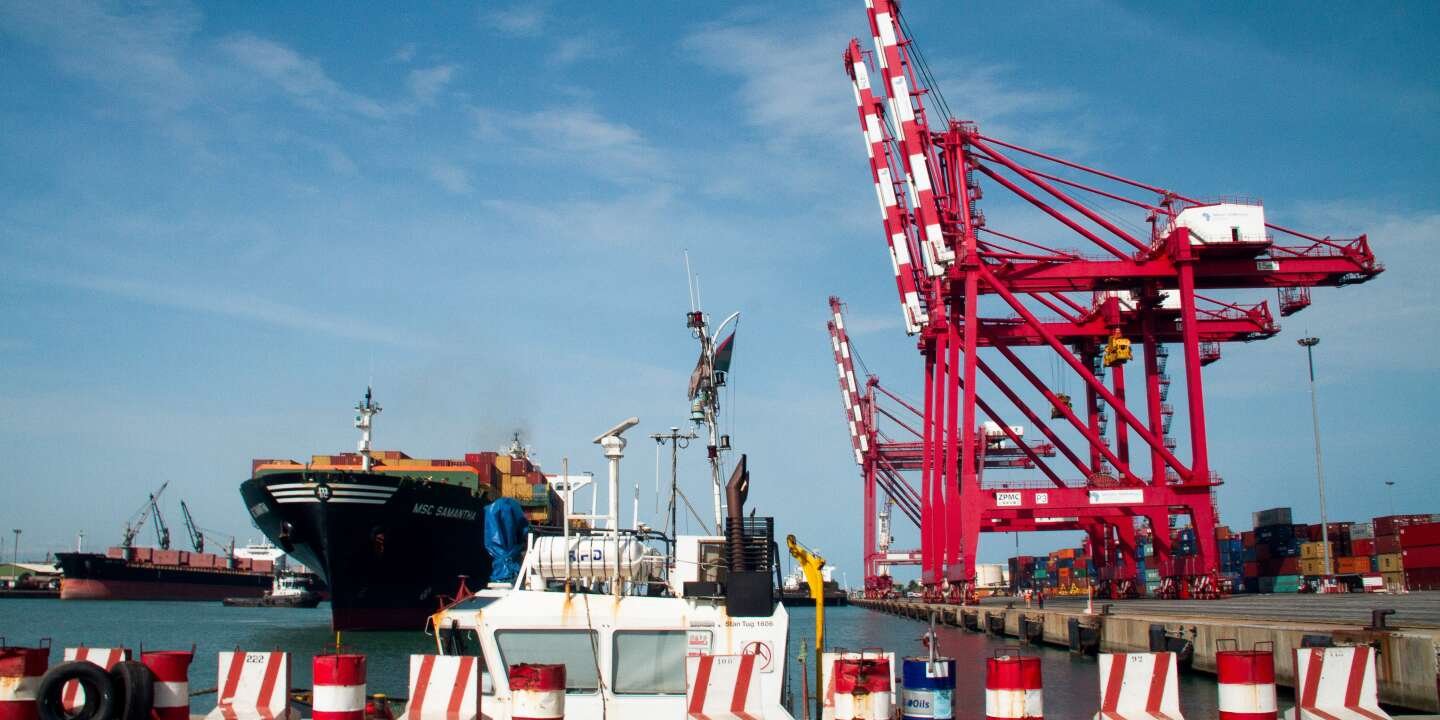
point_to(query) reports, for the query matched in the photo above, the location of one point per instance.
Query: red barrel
(20, 671)
(171, 669)
(1247, 684)
(862, 689)
(339, 687)
(537, 692)
(1014, 688)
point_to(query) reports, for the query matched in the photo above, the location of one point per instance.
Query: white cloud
(215, 301)
(135, 51)
(302, 78)
(425, 84)
(403, 54)
(580, 137)
(573, 49)
(521, 20)
(451, 178)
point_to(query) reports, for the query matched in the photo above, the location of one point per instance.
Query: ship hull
(388, 547)
(91, 576)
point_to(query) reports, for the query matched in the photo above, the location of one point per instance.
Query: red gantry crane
(1117, 262)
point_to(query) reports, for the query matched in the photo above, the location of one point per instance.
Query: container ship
(388, 533)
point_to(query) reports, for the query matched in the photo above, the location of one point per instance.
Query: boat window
(649, 662)
(576, 649)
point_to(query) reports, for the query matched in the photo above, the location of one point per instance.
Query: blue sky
(219, 222)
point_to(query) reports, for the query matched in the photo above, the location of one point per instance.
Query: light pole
(15, 559)
(1390, 491)
(1309, 344)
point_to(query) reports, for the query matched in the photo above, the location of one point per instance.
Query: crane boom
(196, 537)
(136, 523)
(162, 532)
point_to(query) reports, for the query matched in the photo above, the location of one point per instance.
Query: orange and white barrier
(72, 698)
(1336, 683)
(722, 687)
(339, 692)
(171, 669)
(253, 686)
(863, 688)
(20, 673)
(537, 692)
(1139, 686)
(1247, 684)
(1014, 688)
(443, 687)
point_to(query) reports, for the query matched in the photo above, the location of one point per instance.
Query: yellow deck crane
(811, 563)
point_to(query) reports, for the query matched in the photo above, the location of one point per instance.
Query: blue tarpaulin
(505, 531)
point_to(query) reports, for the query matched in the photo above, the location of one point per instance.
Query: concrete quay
(1408, 647)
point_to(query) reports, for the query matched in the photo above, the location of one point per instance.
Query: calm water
(1071, 684)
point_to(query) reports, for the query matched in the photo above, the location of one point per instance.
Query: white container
(1222, 223)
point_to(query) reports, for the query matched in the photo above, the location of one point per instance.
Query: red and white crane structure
(1136, 279)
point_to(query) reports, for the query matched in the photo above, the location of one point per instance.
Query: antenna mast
(367, 409)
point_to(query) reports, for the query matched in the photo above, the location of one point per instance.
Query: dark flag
(698, 375)
(723, 352)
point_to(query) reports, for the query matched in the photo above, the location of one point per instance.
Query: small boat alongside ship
(288, 591)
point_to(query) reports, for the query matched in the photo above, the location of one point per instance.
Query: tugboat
(633, 614)
(289, 591)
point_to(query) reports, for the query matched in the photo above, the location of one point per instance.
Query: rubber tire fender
(100, 701)
(134, 686)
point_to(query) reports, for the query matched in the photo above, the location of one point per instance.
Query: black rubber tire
(134, 691)
(99, 692)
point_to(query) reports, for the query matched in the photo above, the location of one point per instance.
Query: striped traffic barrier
(863, 688)
(1014, 688)
(253, 686)
(20, 673)
(1247, 683)
(339, 692)
(1138, 686)
(1336, 683)
(722, 687)
(171, 669)
(537, 692)
(443, 687)
(73, 697)
(927, 689)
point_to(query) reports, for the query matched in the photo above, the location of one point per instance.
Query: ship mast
(367, 409)
(705, 384)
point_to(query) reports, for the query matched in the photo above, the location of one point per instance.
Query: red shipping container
(143, 554)
(1391, 524)
(1362, 547)
(1252, 569)
(1422, 579)
(262, 565)
(1387, 544)
(1420, 535)
(115, 552)
(1247, 538)
(1421, 558)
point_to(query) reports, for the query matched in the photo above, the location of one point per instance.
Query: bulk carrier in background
(130, 572)
(388, 533)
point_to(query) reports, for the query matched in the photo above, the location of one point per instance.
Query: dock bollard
(172, 682)
(927, 689)
(1014, 688)
(537, 692)
(20, 672)
(862, 689)
(1247, 684)
(339, 687)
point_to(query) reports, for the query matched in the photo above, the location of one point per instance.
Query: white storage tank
(990, 576)
(1222, 223)
(591, 557)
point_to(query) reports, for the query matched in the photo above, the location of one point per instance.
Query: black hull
(306, 600)
(386, 546)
